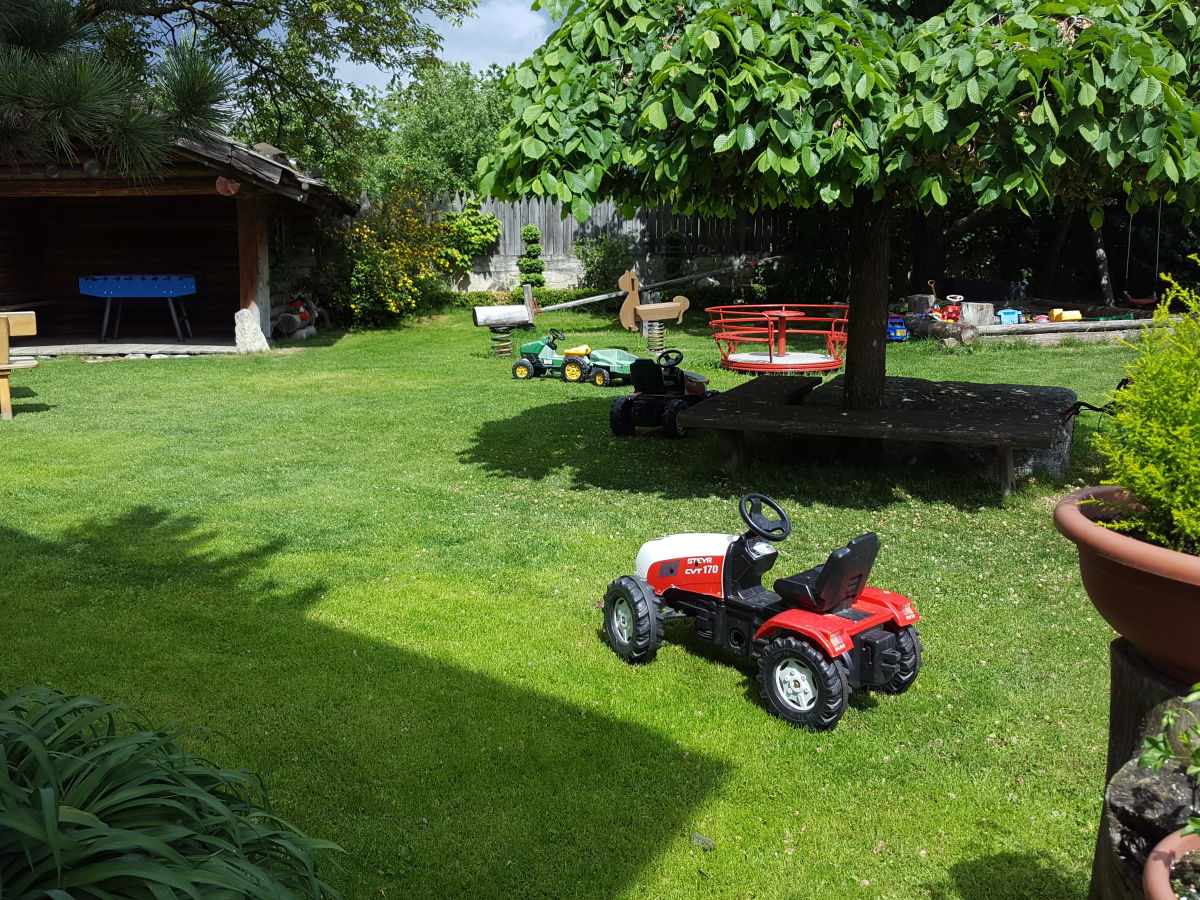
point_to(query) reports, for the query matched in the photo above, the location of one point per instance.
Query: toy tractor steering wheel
(750, 506)
(555, 337)
(669, 359)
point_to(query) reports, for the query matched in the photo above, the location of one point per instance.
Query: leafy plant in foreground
(1179, 745)
(93, 803)
(1154, 441)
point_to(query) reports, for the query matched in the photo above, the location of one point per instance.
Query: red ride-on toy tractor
(662, 391)
(816, 637)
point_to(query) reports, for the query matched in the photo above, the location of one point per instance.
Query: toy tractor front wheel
(523, 370)
(908, 643)
(802, 685)
(671, 427)
(574, 370)
(632, 620)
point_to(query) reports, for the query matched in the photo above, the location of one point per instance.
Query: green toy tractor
(601, 367)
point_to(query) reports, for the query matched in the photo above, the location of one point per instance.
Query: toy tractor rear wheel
(600, 377)
(802, 685)
(574, 371)
(620, 417)
(523, 370)
(632, 620)
(908, 642)
(671, 426)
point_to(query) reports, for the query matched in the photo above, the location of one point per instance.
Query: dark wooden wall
(46, 244)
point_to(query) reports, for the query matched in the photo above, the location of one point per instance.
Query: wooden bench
(774, 405)
(13, 324)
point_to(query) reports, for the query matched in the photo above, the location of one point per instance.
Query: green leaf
(581, 208)
(938, 192)
(660, 60)
(1087, 93)
(863, 87)
(656, 116)
(712, 40)
(526, 78)
(909, 61)
(746, 137)
(810, 161)
(935, 116)
(984, 58)
(533, 148)
(723, 142)
(973, 92)
(1096, 218)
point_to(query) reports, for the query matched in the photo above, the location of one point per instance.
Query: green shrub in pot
(1152, 446)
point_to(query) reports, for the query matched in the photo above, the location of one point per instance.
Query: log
(1064, 327)
(1140, 806)
(501, 316)
(936, 328)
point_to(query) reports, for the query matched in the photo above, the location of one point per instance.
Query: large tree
(61, 97)
(436, 127)
(285, 54)
(717, 105)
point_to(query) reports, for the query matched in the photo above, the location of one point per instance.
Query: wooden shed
(219, 214)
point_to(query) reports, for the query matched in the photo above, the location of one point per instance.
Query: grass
(369, 570)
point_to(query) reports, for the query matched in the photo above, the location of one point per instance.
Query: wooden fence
(762, 233)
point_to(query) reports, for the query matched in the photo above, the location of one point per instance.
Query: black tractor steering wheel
(555, 337)
(750, 506)
(669, 359)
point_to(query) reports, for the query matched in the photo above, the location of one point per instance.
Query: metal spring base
(501, 341)
(656, 337)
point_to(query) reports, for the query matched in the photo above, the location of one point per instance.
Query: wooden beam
(108, 187)
(253, 264)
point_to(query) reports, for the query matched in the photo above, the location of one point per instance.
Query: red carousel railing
(770, 326)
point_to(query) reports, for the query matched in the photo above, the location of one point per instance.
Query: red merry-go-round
(754, 337)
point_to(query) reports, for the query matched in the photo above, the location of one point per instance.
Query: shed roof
(197, 167)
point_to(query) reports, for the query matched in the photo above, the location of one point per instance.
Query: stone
(135, 356)
(158, 356)
(248, 335)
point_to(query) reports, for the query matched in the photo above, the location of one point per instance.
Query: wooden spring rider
(652, 315)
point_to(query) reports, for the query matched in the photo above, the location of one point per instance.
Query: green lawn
(369, 569)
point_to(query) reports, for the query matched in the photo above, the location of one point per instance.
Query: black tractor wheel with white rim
(802, 685)
(632, 620)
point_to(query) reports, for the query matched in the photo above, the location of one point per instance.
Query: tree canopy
(717, 105)
(284, 54)
(60, 96)
(436, 127)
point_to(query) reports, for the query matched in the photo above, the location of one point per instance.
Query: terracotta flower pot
(1148, 594)
(1156, 876)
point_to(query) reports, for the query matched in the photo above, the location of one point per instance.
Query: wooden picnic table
(783, 404)
(13, 324)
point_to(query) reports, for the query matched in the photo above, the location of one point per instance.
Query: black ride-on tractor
(815, 637)
(662, 391)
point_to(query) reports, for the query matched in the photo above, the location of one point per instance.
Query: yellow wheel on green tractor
(522, 369)
(573, 371)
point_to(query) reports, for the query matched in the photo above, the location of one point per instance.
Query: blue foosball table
(120, 288)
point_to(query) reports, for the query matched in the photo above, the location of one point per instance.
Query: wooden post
(253, 261)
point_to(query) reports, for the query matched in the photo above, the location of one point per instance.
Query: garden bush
(390, 255)
(531, 264)
(605, 259)
(93, 803)
(469, 234)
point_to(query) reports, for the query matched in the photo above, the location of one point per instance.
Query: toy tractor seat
(581, 350)
(838, 582)
(649, 377)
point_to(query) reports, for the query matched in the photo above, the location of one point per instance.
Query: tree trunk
(1106, 290)
(866, 336)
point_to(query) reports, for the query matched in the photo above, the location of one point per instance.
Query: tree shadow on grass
(1008, 876)
(438, 781)
(574, 437)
